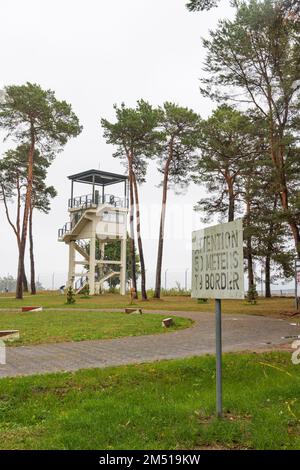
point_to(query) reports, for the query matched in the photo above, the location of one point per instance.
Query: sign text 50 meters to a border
(218, 262)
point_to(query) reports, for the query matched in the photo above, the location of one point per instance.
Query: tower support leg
(92, 264)
(123, 267)
(102, 250)
(71, 273)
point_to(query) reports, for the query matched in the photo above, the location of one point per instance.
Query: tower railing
(88, 200)
(81, 203)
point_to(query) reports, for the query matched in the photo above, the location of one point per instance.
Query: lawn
(50, 326)
(165, 405)
(273, 306)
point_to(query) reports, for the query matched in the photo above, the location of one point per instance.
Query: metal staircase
(81, 283)
(81, 248)
(75, 223)
(79, 218)
(109, 276)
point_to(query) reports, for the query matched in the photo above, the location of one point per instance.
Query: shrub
(252, 295)
(85, 292)
(70, 296)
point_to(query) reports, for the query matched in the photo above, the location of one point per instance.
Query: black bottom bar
(136, 459)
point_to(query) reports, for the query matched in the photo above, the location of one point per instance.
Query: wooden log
(133, 310)
(30, 309)
(9, 335)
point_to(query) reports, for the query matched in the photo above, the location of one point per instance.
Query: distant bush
(8, 284)
(173, 291)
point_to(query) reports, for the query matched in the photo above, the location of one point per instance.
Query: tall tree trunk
(131, 225)
(296, 235)
(250, 264)
(231, 205)
(277, 157)
(32, 266)
(20, 276)
(284, 198)
(249, 248)
(229, 182)
(162, 225)
(139, 238)
(16, 226)
(270, 251)
(268, 276)
(24, 281)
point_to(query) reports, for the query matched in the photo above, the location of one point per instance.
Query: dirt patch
(294, 429)
(227, 416)
(216, 446)
(206, 420)
(268, 348)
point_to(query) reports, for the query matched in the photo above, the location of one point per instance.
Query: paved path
(241, 332)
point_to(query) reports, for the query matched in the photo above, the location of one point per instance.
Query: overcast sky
(95, 53)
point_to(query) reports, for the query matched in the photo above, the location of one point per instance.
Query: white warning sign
(218, 262)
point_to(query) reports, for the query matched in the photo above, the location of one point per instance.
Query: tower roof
(97, 177)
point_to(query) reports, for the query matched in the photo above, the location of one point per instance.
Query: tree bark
(269, 252)
(24, 281)
(249, 249)
(131, 225)
(296, 235)
(250, 264)
(20, 276)
(268, 276)
(139, 239)
(157, 290)
(231, 200)
(32, 265)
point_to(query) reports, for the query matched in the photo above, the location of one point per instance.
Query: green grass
(271, 307)
(165, 405)
(50, 326)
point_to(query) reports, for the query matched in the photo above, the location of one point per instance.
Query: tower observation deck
(96, 220)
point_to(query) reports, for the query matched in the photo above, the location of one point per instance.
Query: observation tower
(96, 220)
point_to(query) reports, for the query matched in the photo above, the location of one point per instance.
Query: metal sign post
(218, 273)
(218, 312)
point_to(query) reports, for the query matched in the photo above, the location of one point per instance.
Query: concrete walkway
(240, 333)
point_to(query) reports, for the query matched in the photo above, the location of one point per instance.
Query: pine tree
(34, 117)
(180, 133)
(135, 137)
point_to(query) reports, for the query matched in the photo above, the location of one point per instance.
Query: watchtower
(96, 220)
